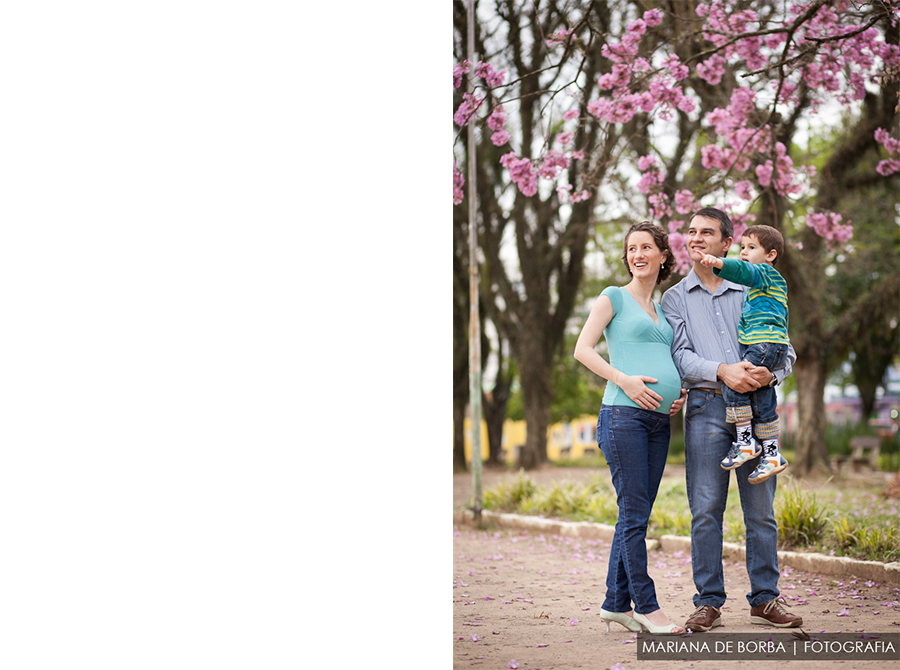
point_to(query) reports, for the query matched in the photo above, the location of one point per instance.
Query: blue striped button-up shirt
(706, 330)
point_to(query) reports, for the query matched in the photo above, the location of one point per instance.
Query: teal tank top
(639, 346)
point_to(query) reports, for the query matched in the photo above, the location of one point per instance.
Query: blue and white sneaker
(767, 467)
(740, 453)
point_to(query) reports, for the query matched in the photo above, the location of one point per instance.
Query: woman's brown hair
(661, 239)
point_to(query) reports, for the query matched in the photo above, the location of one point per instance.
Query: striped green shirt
(764, 317)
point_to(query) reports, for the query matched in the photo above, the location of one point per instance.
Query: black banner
(794, 646)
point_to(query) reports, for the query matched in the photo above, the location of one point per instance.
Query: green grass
(834, 521)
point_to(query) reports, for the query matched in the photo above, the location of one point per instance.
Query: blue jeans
(635, 443)
(759, 404)
(708, 438)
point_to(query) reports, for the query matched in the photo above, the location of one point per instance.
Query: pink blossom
(513, 664)
(487, 73)
(598, 107)
(564, 138)
(713, 158)
(712, 69)
(646, 162)
(617, 78)
(458, 72)
(497, 119)
(578, 197)
(740, 221)
(623, 109)
(828, 225)
(560, 37)
(649, 181)
(659, 205)
(554, 162)
(749, 49)
(521, 171)
(676, 68)
(638, 27)
(500, 138)
(764, 174)
(775, 41)
(683, 262)
(684, 202)
(571, 114)
(742, 188)
(641, 65)
(458, 181)
(653, 17)
(888, 167)
(891, 165)
(466, 109)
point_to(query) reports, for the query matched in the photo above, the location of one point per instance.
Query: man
(704, 311)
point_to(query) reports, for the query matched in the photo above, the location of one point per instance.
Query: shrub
(801, 518)
(509, 494)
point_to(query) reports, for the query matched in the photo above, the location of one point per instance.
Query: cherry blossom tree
(592, 112)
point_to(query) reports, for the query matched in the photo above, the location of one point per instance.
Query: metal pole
(474, 324)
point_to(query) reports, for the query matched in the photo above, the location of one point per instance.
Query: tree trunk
(537, 392)
(460, 341)
(812, 451)
(494, 406)
(459, 437)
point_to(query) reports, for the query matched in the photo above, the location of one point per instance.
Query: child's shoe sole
(768, 473)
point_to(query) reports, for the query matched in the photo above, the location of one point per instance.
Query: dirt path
(525, 599)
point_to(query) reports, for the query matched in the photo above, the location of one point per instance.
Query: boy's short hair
(769, 238)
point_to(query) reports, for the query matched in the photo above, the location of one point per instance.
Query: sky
(221, 322)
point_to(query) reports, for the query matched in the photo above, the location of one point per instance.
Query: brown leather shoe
(773, 613)
(704, 618)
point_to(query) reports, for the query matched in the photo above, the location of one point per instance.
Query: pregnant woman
(633, 428)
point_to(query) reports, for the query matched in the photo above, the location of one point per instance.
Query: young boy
(763, 336)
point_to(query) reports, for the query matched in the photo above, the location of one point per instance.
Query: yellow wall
(578, 435)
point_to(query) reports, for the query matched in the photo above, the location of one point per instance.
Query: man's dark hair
(725, 223)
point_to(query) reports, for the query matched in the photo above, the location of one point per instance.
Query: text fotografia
(797, 646)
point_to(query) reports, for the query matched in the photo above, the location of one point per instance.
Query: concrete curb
(885, 573)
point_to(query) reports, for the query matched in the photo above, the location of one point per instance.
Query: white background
(211, 349)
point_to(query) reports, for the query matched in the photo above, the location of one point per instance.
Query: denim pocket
(697, 402)
(770, 355)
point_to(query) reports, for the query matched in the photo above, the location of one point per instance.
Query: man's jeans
(759, 405)
(707, 440)
(635, 443)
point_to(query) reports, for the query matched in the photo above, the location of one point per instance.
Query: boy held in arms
(763, 336)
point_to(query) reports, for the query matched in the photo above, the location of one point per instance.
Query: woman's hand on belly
(635, 387)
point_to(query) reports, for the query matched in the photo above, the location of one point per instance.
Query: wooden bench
(864, 450)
